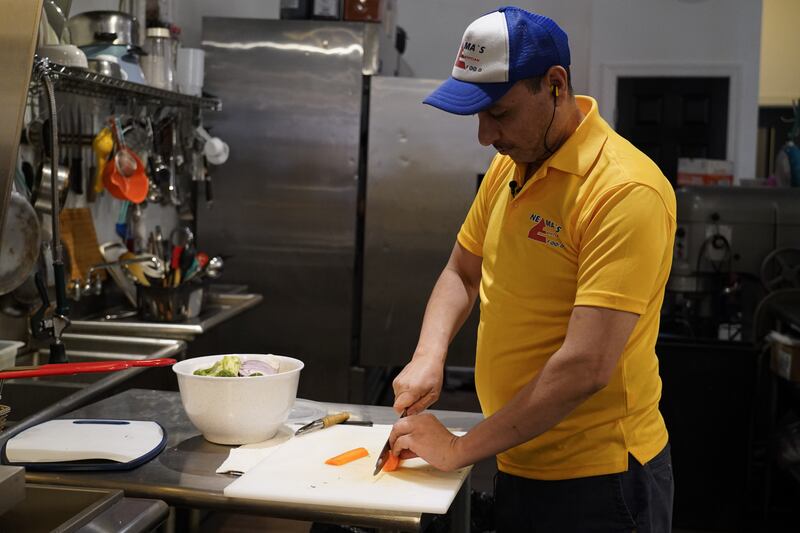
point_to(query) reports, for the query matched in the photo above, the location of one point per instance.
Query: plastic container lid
(8, 353)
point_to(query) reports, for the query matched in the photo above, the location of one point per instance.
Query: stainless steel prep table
(183, 475)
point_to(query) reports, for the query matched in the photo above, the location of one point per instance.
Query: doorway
(672, 117)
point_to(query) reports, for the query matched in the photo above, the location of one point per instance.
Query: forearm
(565, 382)
(449, 306)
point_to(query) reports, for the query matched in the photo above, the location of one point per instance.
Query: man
(569, 245)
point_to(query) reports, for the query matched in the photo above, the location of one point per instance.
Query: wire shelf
(79, 81)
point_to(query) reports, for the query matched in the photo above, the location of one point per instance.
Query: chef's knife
(384, 455)
(324, 422)
(76, 162)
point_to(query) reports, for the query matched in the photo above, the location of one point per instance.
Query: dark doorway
(668, 118)
(774, 124)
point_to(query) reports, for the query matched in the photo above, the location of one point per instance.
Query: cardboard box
(705, 172)
(369, 10)
(785, 356)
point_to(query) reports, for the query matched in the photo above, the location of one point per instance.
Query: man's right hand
(419, 384)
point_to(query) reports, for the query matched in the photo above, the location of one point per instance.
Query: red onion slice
(256, 367)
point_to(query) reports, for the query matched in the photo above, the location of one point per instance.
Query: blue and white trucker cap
(497, 50)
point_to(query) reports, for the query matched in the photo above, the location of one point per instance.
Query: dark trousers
(637, 500)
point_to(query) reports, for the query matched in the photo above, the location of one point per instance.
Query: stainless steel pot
(104, 27)
(106, 68)
(43, 199)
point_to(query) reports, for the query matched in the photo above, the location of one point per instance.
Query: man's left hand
(424, 436)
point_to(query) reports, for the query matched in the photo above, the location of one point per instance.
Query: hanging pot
(42, 200)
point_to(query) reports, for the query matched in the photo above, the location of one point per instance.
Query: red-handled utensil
(63, 369)
(202, 259)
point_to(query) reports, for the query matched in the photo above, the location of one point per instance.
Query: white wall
(651, 37)
(79, 6)
(435, 28)
(683, 37)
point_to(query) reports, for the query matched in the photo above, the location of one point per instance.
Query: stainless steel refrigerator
(340, 200)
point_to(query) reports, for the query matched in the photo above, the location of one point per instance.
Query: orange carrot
(346, 457)
(391, 463)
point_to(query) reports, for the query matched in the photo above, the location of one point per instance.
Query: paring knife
(384, 455)
(324, 422)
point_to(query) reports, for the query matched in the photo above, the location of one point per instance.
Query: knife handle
(338, 418)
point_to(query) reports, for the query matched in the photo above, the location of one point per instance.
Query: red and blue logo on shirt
(545, 231)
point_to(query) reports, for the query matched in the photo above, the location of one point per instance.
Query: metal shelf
(79, 81)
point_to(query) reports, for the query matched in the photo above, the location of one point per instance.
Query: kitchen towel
(245, 457)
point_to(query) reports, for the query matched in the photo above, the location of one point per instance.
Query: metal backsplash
(755, 221)
(422, 174)
(285, 203)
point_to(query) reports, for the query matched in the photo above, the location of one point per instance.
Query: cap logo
(483, 54)
(470, 52)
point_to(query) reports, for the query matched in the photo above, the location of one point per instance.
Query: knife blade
(323, 422)
(365, 423)
(385, 451)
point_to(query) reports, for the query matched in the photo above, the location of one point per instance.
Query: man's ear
(556, 79)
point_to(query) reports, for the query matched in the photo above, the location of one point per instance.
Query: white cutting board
(74, 440)
(296, 473)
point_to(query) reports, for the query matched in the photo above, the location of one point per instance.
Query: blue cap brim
(463, 98)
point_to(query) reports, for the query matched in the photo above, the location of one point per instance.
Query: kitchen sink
(83, 348)
(27, 396)
(67, 509)
(87, 348)
(219, 307)
(53, 395)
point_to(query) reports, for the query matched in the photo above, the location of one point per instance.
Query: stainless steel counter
(81, 510)
(184, 475)
(219, 308)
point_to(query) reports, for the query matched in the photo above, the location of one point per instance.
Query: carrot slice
(348, 456)
(391, 463)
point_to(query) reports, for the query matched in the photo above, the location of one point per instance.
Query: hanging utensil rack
(83, 82)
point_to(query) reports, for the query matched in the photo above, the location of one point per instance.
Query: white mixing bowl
(239, 410)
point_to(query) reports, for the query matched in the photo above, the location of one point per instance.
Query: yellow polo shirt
(594, 226)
